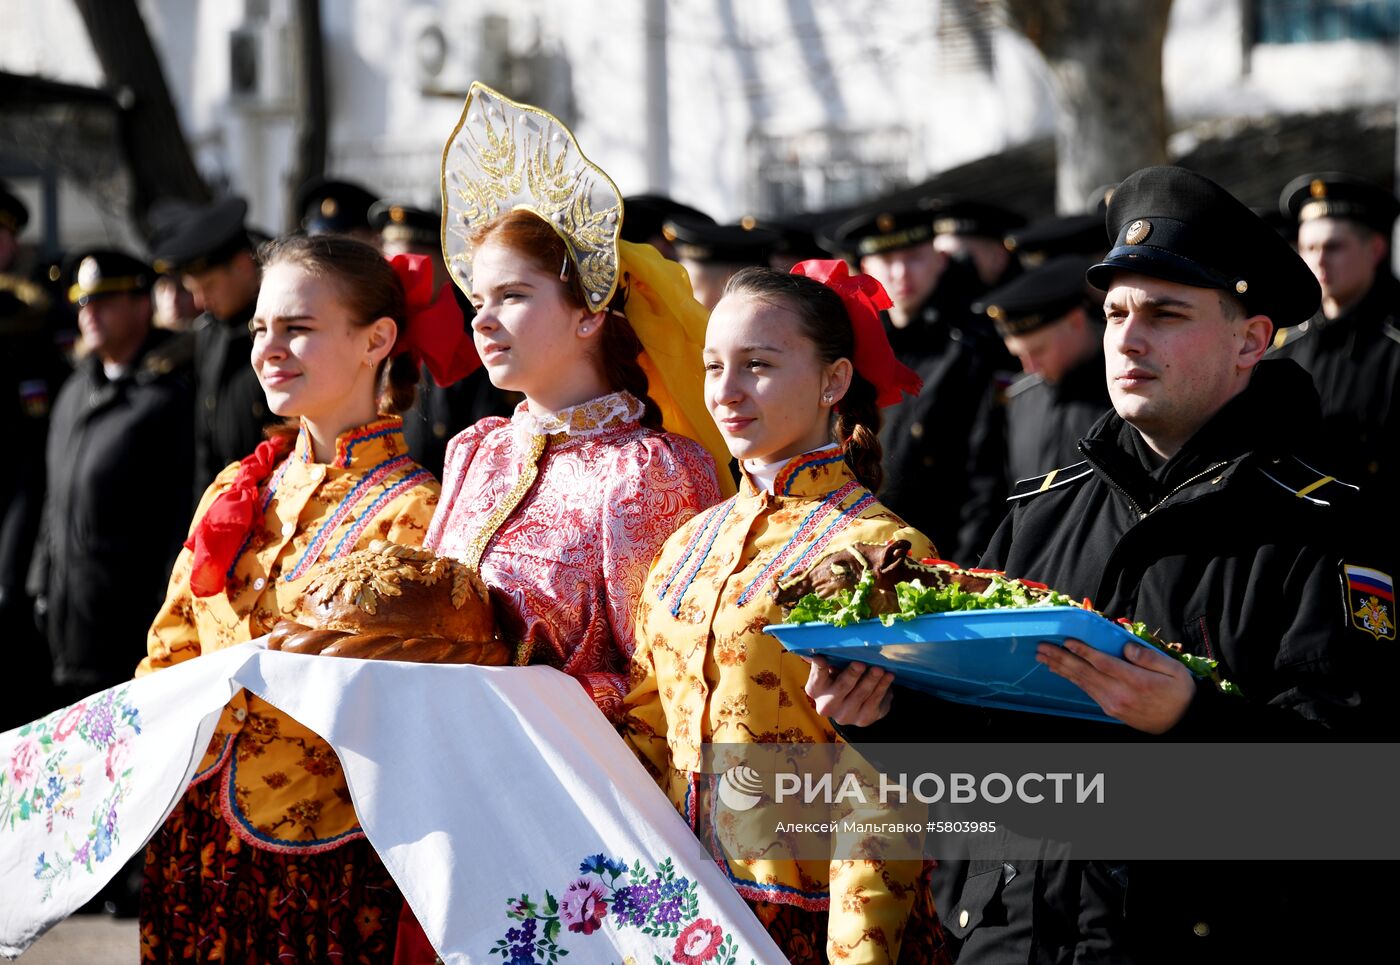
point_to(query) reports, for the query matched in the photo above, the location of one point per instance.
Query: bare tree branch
(155, 147)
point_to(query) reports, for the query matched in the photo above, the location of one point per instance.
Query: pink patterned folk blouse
(563, 515)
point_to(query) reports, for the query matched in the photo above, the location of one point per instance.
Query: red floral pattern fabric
(568, 562)
(209, 897)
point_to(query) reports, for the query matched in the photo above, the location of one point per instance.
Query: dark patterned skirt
(208, 896)
(802, 934)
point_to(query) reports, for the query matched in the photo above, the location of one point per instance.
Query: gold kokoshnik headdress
(504, 156)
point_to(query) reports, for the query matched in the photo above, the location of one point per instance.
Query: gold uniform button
(440, 429)
(962, 918)
(917, 430)
(1201, 929)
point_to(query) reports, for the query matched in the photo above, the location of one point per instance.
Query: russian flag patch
(1370, 600)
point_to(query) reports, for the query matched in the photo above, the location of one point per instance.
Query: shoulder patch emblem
(34, 396)
(1370, 600)
(1053, 479)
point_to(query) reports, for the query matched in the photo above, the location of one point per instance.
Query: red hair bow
(864, 297)
(436, 334)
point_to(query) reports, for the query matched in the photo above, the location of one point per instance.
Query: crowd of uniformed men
(993, 313)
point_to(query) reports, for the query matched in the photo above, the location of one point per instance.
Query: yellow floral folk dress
(264, 858)
(705, 672)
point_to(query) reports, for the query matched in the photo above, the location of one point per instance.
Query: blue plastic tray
(981, 657)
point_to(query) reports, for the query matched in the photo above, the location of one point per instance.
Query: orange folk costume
(705, 672)
(268, 817)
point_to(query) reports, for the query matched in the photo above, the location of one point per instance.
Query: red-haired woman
(563, 506)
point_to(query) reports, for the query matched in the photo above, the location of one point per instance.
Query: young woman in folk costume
(263, 859)
(563, 506)
(796, 369)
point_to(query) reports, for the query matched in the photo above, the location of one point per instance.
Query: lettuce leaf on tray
(846, 607)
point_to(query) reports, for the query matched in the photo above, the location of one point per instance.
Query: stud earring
(584, 329)
(827, 398)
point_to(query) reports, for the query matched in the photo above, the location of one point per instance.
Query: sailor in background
(1351, 347)
(1048, 321)
(211, 249)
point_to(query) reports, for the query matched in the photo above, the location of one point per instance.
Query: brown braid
(857, 428)
(619, 354)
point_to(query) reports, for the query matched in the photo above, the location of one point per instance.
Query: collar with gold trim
(358, 448)
(811, 474)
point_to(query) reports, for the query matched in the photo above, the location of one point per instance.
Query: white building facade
(764, 106)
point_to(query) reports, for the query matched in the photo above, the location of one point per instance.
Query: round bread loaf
(391, 602)
(398, 590)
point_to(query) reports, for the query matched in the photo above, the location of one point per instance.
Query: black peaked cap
(1177, 225)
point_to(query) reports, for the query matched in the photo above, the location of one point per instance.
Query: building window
(1313, 21)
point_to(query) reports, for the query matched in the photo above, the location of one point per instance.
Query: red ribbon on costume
(436, 334)
(864, 297)
(219, 535)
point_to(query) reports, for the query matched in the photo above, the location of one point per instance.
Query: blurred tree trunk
(311, 97)
(160, 161)
(1105, 59)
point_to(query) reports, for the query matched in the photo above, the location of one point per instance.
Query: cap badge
(89, 273)
(885, 223)
(396, 213)
(748, 222)
(1138, 232)
(1241, 287)
(994, 311)
(1317, 188)
(329, 207)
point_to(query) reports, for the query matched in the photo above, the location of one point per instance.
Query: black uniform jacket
(31, 372)
(943, 449)
(1045, 422)
(230, 406)
(1226, 549)
(440, 413)
(120, 455)
(1354, 360)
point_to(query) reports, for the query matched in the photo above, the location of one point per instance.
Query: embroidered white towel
(508, 811)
